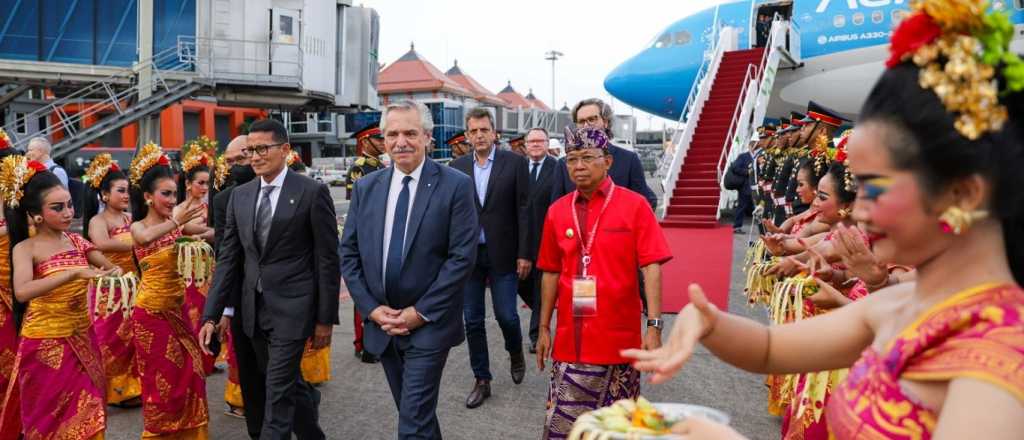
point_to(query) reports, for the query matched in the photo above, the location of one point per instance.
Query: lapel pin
(291, 201)
(568, 233)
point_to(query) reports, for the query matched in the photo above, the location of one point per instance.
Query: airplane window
(663, 41)
(683, 37)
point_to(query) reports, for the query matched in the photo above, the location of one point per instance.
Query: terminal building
(114, 74)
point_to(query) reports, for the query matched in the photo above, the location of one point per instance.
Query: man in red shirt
(594, 240)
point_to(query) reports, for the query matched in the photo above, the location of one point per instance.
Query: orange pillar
(237, 118)
(207, 124)
(88, 121)
(129, 135)
(172, 127)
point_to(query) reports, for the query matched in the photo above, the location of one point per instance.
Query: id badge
(584, 296)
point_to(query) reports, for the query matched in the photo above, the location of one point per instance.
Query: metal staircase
(727, 101)
(113, 102)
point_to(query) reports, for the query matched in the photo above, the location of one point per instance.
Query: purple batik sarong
(578, 388)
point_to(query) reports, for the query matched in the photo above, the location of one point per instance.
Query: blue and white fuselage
(840, 47)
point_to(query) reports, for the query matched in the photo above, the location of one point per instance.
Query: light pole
(552, 55)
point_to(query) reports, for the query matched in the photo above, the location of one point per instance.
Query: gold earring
(149, 203)
(37, 219)
(105, 199)
(844, 212)
(956, 221)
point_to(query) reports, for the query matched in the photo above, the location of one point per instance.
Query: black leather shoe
(481, 391)
(368, 358)
(518, 366)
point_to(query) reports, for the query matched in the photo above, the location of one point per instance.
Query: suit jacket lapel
(289, 194)
(424, 190)
(546, 168)
(246, 220)
(496, 169)
(377, 207)
(472, 175)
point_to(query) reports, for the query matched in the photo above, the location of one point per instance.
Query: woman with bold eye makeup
(58, 367)
(194, 184)
(166, 350)
(938, 154)
(109, 230)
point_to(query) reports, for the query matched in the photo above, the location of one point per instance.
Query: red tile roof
(513, 98)
(536, 103)
(412, 73)
(480, 92)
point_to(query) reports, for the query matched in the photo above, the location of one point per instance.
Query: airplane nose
(651, 83)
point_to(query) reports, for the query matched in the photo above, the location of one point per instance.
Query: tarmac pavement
(357, 404)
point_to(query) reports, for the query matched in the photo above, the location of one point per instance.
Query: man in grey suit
(408, 247)
(280, 244)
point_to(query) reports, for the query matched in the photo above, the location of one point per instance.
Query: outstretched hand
(695, 321)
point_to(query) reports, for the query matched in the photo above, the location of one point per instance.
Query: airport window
(683, 37)
(20, 126)
(663, 41)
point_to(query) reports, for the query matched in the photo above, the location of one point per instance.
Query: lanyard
(586, 246)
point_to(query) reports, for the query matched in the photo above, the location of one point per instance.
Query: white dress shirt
(275, 193)
(540, 165)
(389, 212)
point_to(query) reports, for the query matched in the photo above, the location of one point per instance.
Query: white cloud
(498, 41)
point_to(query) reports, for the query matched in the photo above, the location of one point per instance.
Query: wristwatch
(656, 323)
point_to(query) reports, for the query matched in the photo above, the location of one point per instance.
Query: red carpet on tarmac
(702, 256)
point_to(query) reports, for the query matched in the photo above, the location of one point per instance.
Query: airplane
(840, 46)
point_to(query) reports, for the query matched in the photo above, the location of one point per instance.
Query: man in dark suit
(407, 250)
(501, 184)
(542, 170)
(280, 243)
(250, 379)
(626, 168)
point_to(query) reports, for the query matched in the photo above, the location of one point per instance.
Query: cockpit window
(683, 37)
(663, 41)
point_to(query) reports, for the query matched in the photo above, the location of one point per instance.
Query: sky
(500, 41)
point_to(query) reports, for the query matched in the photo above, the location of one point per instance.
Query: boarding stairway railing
(700, 91)
(108, 104)
(752, 104)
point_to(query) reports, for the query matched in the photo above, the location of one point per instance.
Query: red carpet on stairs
(702, 256)
(694, 200)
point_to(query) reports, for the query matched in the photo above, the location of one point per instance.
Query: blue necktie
(397, 244)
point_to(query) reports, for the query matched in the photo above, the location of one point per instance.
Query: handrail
(687, 107)
(202, 52)
(684, 136)
(751, 74)
(107, 98)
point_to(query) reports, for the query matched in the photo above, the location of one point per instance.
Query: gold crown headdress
(98, 169)
(959, 48)
(220, 172)
(149, 155)
(15, 172)
(199, 151)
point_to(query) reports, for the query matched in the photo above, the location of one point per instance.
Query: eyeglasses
(593, 120)
(259, 149)
(587, 159)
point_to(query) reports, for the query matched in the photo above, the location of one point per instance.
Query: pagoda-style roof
(480, 93)
(536, 103)
(513, 98)
(413, 73)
